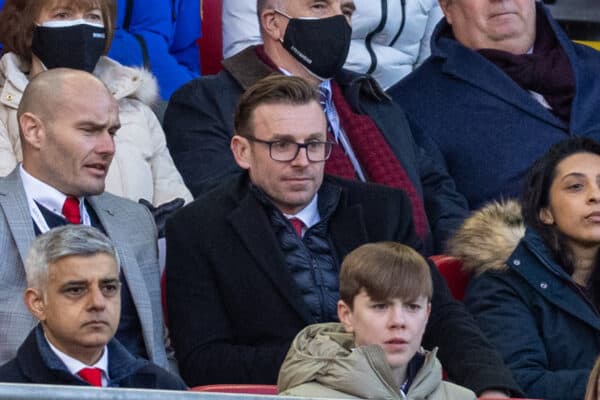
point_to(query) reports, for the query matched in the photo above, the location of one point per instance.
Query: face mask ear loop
(282, 13)
(276, 11)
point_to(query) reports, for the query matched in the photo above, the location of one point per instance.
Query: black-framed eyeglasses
(286, 150)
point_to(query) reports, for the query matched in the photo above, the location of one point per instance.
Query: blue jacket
(160, 35)
(487, 128)
(546, 330)
(37, 363)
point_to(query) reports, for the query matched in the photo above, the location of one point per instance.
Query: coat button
(517, 262)
(9, 97)
(544, 285)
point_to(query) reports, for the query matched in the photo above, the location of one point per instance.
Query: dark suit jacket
(36, 363)
(233, 306)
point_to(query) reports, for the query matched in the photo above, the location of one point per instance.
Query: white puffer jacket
(142, 166)
(390, 61)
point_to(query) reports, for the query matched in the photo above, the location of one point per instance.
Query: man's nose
(301, 158)
(97, 300)
(106, 144)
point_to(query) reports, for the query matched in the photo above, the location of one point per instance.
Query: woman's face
(70, 10)
(575, 200)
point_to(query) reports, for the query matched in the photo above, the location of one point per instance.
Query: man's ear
(445, 5)
(546, 216)
(34, 300)
(240, 147)
(345, 315)
(32, 129)
(270, 21)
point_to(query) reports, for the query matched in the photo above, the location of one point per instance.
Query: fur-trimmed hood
(488, 237)
(122, 81)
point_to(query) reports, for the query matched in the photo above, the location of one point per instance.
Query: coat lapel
(469, 66)
(250, 222)
(109, 214)
(14, 203)
(473, 68)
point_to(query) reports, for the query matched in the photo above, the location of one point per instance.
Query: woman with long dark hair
(538, 303)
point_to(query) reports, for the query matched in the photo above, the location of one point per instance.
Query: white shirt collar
(38, 192)
(74, 365)
(309, 215)
(42, 193)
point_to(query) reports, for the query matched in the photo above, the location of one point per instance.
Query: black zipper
(369, 38)
(395, 39)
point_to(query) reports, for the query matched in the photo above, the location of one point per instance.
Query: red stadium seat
(211, 42)
(451, 269)
(238, 388)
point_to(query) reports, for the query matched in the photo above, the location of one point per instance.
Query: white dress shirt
(74, 365)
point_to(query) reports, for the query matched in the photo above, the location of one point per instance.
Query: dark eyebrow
(74, 283)
(573, 174)
(291, 138)
(90, 124)
(109, 280)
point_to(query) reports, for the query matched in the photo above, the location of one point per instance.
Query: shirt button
(517, 262)
(544, 285)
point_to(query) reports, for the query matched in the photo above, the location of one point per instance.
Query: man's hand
(163, 212)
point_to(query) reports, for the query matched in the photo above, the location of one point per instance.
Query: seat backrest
(451, 269)
(238, 388)
(211, 42)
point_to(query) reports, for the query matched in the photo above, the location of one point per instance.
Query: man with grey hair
(74, 292)
(68, 144)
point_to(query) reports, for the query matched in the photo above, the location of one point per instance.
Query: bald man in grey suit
(67, 121)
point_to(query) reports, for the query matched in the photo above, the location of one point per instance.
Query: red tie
(93, 376)
(71, 210)
(298, 225)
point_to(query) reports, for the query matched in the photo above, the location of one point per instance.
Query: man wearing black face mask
(310, 39)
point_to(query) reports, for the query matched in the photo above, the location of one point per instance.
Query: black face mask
(77, 46)
(321, 45)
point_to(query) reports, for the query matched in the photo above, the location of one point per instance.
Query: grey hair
(64, 241)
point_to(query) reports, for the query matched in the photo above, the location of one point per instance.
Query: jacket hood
(123, 82)
(130, 82)
(325, 353)
(488, 237)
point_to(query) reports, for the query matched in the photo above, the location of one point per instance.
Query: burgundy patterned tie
(71, 210)
(298, 225)
(93, 376)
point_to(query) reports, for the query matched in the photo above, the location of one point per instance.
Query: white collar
(74, 365)
(43, 193)
(309, 215)
(49, 197)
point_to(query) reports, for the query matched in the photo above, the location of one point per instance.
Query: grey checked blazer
(131, 228)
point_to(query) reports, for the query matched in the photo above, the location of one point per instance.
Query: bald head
(67, 122)
(47, 91)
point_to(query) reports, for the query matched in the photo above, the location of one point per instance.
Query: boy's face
(396, 325)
